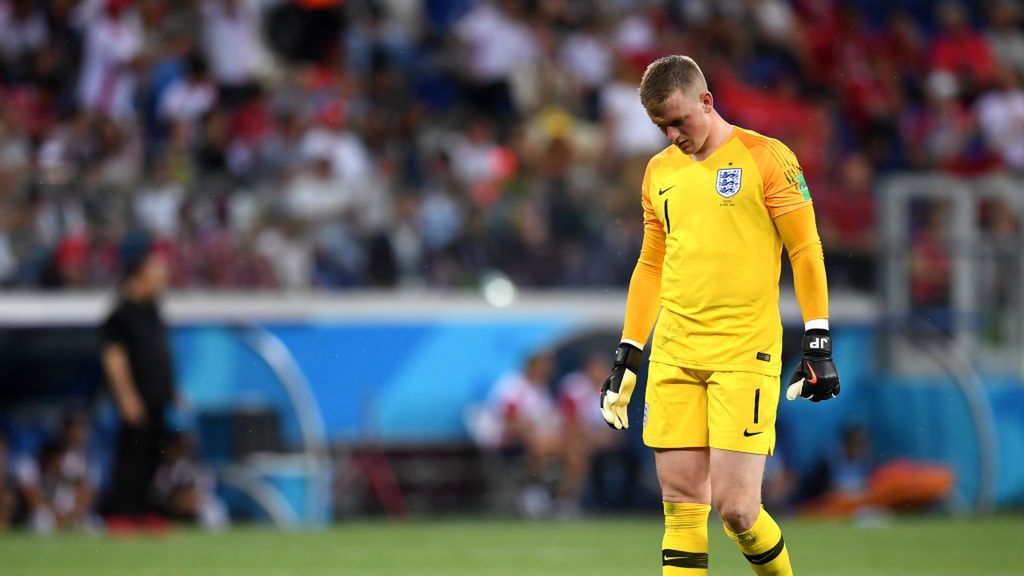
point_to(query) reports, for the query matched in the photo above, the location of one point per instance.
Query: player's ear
(707, 102)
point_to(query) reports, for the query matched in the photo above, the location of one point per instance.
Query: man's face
(596, 368)
(539, 369)
(153, 275)
(685, 118)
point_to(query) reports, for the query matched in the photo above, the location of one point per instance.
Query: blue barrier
(400, 381)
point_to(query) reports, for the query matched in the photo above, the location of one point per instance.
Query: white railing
(984, 313)
(599, 308)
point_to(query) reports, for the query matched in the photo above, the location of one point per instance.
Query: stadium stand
(384, 143)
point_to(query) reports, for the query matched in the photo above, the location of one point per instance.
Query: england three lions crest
(729, 182)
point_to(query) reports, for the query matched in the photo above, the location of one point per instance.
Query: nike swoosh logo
(749, 434)
(814, 377)
(663, 190)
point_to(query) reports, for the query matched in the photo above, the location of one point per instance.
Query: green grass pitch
(925, 547)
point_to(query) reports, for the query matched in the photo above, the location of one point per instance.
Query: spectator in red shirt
(904, 44)
(583, 429)
(961, 50)
(847, 212)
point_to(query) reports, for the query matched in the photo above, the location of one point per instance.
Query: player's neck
(133, 292)
(718, 135)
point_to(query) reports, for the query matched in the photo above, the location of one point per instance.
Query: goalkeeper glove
(816, 378)
(618, 387)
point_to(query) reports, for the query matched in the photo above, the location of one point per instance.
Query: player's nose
(673, 133)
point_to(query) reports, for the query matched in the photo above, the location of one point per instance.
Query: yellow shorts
(688, 408)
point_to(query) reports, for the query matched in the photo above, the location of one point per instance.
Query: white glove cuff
(638, 345)
(820, 324)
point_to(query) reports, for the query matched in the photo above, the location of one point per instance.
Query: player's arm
(119, 374)
(789, 203)
(642, 305)
(816, 378)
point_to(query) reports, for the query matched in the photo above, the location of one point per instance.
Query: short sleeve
(113, 330)
(785, 188)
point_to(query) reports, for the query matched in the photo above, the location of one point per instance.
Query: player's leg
(741, 410)
(675, 425)
(736, 484)
(686, 497)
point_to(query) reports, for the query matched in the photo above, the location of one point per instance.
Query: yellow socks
(684, 549)
(764, 547)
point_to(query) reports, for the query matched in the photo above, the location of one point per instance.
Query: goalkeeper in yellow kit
(719, 204)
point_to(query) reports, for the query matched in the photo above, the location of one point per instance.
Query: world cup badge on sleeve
(729, 182)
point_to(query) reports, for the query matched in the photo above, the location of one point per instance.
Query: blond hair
(666, 75)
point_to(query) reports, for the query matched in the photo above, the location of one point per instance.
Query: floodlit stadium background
(373, 210)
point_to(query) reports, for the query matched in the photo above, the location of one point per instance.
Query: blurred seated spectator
(8, 492)
(584, 431)
(849, 482)
(189, 98)
(56, 491)
(527, 423)
(159, 202)
(497, 41)
(589, 62)
(234, 45)
(961, 50)
(628, 131)
(944, 133)
(1001, 115)
(78, 464)
(1006, 33)
(113, 43)
(285, 244)
(184, 488)
(846, 210)
(904, 44)
(931, 261)
(526, 410)
(317, 194)
(23, 30)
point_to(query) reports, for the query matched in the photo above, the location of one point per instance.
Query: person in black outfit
(137, 361)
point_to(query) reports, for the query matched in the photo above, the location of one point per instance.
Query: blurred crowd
(377, 143)
(553, 442)
(52, 478)
(559, 459)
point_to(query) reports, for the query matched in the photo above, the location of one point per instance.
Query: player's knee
(698, 494)
(737, 515)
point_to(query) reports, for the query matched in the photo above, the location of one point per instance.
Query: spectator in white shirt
(22, 29)
(113, 41)
(628, 130)
(234, 46)
(318, 194)
(190, 97)
(497, 42)
(527, 422)
(348, 155)
(589, 61)
(1001, 116)
(158, 204)
(523, 404)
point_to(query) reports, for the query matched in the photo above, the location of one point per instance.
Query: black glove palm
(816, 378)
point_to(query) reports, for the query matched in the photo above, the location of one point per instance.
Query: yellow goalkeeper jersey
(713, 223)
